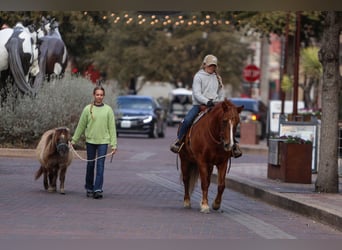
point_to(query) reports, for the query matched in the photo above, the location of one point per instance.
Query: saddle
(203, 110)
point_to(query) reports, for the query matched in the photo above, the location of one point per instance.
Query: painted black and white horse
(53, 55)
(19, 58)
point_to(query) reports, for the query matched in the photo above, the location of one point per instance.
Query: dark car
(136, 114)
(254, 110)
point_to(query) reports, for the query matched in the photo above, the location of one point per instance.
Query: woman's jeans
(101, 150)
(188, 119)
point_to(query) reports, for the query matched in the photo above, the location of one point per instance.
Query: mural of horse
(19, 57)
(53, 55)
(208, 143)
(54, 156)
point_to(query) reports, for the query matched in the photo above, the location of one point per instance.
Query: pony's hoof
(51, 190)
(62, 192)
(205, 209)
(187, 204)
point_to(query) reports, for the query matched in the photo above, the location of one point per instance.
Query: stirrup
(176, 146)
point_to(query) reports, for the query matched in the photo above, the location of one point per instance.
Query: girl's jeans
(91, 154)
(188, 119)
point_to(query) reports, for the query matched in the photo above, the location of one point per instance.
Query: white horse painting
(19, 58)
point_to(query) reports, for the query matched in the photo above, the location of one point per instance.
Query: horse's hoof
(51, 190)
(205, 209)
(62, 192)
(216, 206)
(187, 205)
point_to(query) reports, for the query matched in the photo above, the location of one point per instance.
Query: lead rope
(81, 158)
(229, 164)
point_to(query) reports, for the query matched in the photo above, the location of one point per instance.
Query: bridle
(221, 135)
(223, 127)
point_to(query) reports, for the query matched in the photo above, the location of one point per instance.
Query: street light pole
(296, 65)
(284, 62)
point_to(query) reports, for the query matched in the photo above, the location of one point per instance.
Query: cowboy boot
(177, 145)
(174, 147)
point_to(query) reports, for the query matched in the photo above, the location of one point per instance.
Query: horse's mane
(47, 144)
(222, 105)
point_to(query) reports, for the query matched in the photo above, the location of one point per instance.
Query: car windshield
(134, 103)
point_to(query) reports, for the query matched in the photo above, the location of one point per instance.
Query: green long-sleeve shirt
(98, 127)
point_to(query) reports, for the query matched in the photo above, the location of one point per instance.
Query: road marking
(261, 228)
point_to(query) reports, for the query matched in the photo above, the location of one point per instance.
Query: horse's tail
(39, 173)
(16, 67)
(194, 174)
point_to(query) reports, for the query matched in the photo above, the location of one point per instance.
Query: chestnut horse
(54, 156)
(207, 143)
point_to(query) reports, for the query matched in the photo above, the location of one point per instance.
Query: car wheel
(153, 132)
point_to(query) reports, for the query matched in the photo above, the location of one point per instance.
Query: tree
(170, 53)
(312, 70)
(327, 177)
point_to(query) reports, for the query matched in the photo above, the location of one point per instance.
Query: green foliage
(25, 119)
(170, 53)
(292, 139)
(286, 83)
(309, 60)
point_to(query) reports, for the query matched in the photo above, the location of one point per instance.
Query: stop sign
(251, 73)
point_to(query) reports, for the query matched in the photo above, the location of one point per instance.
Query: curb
(14, 152)
(282, 201)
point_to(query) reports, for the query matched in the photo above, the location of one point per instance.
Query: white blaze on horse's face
(231, 126)
(230, 133)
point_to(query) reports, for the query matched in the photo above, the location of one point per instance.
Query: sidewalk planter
(249, 133)
(294, 161)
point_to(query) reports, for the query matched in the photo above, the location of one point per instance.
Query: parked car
(180, 102)
(254, 110)
(136, 114)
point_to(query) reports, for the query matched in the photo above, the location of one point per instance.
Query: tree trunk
(327, 177)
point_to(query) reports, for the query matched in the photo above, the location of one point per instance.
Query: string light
(180, 20)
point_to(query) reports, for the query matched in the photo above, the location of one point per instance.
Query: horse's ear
(240, 108)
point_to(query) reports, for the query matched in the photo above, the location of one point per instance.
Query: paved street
(142, 200)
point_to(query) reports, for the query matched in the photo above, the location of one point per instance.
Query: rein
(224, 124)
(83, 159)
(211, 135)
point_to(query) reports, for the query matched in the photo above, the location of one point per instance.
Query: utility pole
(296, 65)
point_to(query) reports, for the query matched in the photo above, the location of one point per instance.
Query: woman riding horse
(207, 89)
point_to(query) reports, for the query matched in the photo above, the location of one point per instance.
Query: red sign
(251, 73)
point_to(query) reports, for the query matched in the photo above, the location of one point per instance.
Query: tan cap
(210, 60)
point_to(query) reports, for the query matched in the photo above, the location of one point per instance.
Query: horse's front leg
(205, 182)
(186, 183)
(221, 179)
(62, 179)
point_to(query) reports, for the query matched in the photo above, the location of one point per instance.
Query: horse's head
(61, 139)
(229, 123)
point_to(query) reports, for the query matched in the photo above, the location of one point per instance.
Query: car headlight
(148, 119)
